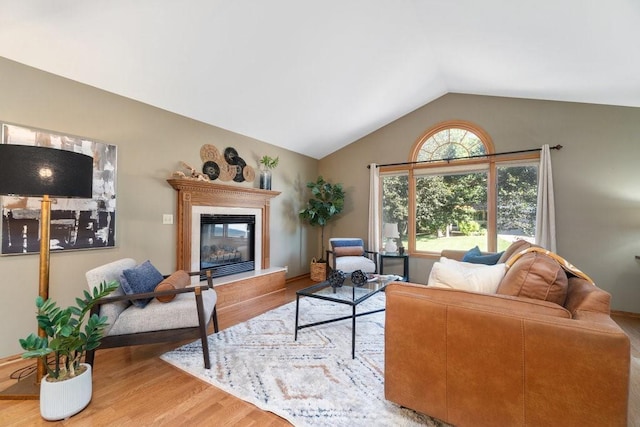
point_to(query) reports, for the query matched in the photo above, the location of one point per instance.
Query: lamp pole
(43, 281)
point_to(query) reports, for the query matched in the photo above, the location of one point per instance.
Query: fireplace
(227, 243)
(200, 198)
(227, 239)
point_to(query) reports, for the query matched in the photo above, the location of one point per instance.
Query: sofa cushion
(178, 280)
(449, 273)
(140, 279)
(349, 264)
(156, 316)
(476, 256)
(514, 248)
(535, 275)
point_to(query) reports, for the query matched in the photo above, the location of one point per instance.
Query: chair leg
(89, 356)
(203, 329)
(205, 339)
(215, 320)
(205, 350)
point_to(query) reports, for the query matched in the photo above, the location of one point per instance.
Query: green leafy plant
(326, 202)
(269, 162)
(65, 338)
(469, 228)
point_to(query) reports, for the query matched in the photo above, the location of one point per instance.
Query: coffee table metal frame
(341, 296)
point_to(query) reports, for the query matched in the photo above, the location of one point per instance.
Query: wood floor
(133, 387)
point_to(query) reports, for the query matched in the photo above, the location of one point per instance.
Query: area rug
(312, 381)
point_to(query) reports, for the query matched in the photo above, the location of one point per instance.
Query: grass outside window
(463, 243)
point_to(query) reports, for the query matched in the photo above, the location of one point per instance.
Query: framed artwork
(75, 223)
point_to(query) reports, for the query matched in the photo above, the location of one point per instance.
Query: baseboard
(625, 314)
(295, 279)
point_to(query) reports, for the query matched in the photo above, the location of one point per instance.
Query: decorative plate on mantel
(211, 169)
(209, 152)
(249, 173)
(231, 155)
(227, 172)
(240, 165)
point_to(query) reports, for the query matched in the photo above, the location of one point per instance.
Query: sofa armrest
(473, 359)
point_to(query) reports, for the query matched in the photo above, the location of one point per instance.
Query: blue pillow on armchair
(475, 256)
(140, 279)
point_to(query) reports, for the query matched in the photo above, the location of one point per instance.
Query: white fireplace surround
(198, 211)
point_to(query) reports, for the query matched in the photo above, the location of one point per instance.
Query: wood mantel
(202, 193)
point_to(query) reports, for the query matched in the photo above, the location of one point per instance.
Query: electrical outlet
(167, 219)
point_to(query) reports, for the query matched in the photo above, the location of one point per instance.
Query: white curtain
(374, 208)
(546, 213)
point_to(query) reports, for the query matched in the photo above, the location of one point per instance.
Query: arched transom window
(456, 193)
(451, 143)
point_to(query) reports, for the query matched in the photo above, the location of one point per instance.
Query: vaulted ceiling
(314, 76)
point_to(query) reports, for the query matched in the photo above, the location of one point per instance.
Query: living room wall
(150, 142)
(595, 175)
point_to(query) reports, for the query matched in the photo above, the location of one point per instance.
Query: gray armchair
(186, 316)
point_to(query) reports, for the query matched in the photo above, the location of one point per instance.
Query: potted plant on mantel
(268, 163)
(326, 202)
(67, 387)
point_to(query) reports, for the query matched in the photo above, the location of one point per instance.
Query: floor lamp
(42, 172)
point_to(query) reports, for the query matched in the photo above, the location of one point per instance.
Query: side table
(405, 259)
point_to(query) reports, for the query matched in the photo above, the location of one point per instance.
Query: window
(458, 195)
(451, 211)
(450, 143)
(517, 197)
(395, 204)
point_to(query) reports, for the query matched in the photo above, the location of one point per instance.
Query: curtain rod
(555, 147)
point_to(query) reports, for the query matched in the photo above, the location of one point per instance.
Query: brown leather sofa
(504, 359)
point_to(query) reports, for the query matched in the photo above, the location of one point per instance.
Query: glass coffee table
(349, 294)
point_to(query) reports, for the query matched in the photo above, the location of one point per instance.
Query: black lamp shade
(37, 171)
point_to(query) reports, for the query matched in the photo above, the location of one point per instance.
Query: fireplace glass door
(227, 243)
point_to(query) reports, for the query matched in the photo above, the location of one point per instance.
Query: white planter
(60, 400)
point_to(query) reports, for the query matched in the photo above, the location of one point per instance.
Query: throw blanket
(566, 265)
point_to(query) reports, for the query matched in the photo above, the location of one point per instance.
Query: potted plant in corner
(326, 202)
(66, 388)
(268, 163)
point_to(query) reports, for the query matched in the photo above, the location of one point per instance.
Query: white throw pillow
(449, 273)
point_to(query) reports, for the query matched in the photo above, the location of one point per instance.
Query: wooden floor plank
(134, 387)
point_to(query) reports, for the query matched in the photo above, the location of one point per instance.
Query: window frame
(490, 162)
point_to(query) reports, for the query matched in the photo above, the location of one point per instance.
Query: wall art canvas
(75, 223)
